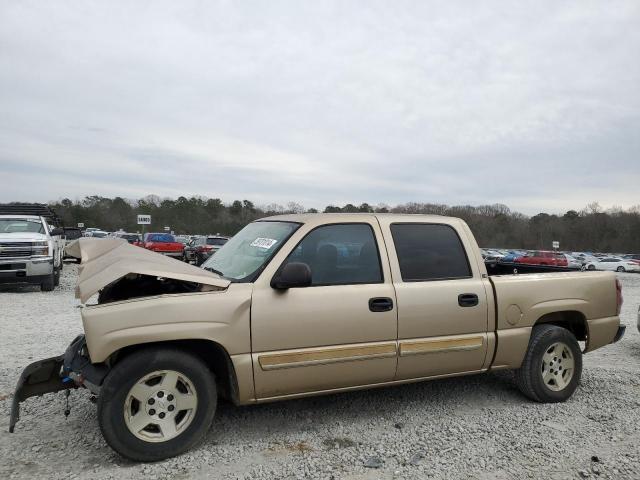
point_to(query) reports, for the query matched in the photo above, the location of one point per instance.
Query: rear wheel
(552, 366)
(620, 269)
(56, 276)
(591, 267)
(156, 404)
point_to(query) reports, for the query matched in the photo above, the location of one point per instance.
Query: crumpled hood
(105, 260)
(23, 237)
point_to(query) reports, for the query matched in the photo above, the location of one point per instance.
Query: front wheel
(49, 283)
(620, 269)
(156, 404)
(552, 366)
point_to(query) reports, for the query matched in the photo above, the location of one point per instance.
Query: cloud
(533, 106)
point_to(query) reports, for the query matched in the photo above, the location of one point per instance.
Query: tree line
(590, 229)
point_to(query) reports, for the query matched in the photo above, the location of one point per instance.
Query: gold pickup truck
(311, 304)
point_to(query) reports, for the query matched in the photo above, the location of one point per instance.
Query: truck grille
(14, 249)
(14, 253)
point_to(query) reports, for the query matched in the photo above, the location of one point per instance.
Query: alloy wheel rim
(558, 366)
(160, 406)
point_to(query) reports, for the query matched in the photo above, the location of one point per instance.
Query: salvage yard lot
(469, 427)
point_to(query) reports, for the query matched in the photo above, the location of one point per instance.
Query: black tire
(529, 377)
(56, 276)
(591, 267)
(126, 373)
(49, 284)
(620, 269)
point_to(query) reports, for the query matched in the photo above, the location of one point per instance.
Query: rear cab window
(428, 252)
(217, 241)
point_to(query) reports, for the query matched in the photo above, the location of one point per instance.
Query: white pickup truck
(31, 249)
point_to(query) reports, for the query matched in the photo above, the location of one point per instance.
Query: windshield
(160, 237)
(20, 225)
(245, 255)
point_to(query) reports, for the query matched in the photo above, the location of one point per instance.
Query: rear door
(443, 312)
(339, 332)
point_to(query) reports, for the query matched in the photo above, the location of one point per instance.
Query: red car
(541, 257)
(163, 243)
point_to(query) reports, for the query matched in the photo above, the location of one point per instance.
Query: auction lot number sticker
(265, 243)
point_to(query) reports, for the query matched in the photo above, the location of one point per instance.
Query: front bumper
(55, 374)
(171, 254)
(25, 270)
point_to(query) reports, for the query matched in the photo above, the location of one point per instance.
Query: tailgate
(167, 247)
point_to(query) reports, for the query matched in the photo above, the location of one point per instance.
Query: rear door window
(429, 252)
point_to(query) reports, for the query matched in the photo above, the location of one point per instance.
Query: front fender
(103, 347)
(218, 316)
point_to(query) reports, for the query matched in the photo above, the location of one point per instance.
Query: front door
(340, 331)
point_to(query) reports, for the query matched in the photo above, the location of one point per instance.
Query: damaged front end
(115, 271)
(69, 371)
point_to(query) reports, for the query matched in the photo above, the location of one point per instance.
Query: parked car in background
(94, 233)
(511, 256)
(586, 258)
(163, 243)
(492, 255)
(616, 264)
(129, 237)
(573, 262)
(200, 249)
(542, 257)
(634, 257)
(70, 234)
(31, 248)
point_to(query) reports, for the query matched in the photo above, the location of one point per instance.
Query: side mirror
(293, 275)
(56, 232)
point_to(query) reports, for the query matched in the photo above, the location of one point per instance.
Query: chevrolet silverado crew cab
(303, 305)
(31, 249)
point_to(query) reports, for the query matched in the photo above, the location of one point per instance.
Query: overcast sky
(536, 107)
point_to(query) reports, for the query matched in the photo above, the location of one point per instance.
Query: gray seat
(325, 266)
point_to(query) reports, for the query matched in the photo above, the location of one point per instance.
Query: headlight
(40, 248)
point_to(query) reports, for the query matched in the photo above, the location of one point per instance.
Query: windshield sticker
(265, 243)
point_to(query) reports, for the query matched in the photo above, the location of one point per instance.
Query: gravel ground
(472, 427)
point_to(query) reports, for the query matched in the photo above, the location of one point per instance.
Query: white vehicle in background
(573, 262)
(493, 255)
(31, 248)
(614, 264)
(95, 233)
(585, 258)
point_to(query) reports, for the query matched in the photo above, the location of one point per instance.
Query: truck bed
(588, 298)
